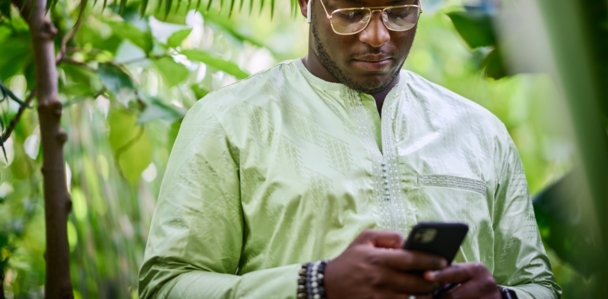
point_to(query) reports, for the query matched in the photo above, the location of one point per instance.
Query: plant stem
(15, 120)
(57, 202)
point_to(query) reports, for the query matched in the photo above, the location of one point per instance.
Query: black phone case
(445, 243)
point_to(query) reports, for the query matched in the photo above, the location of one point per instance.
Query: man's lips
(374, 63)
(372, 58)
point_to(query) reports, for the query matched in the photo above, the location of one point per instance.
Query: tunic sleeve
(196, 235)
(521, 263)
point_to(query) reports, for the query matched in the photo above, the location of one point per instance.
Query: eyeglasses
(347, 21)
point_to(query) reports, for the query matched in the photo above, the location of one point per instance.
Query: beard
(332, 68)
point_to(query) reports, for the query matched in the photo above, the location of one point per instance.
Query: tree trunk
(57, 202)
(2, 289)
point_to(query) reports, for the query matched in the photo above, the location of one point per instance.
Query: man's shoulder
(448, 105)
(254, 90)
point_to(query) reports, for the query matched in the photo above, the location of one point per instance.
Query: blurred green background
(127, 83)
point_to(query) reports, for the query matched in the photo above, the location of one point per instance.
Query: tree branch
(134, 60)
(15, 120)
(78, 63)
(71, 33)
(8, 93)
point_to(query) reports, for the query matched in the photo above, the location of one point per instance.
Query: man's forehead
(370, 3)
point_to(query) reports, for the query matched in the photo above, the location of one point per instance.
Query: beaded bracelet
(310, 280)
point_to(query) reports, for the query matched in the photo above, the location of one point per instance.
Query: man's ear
(305, 8)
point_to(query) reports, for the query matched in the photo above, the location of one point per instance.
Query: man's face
(368, 61)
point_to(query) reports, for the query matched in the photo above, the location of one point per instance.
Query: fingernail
(432, 274)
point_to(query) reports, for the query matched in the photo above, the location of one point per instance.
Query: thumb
(380, 239)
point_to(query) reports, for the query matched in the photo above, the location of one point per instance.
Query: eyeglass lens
(354, 20)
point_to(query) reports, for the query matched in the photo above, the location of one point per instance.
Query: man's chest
(328, 161)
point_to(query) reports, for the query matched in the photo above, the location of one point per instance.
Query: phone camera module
(425, 235)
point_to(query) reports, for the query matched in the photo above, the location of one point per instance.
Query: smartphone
(440, 238)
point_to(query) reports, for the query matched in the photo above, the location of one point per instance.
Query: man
(336, 156)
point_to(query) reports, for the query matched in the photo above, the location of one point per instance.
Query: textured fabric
(284, 168)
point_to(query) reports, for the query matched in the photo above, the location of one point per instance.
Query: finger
(405, 260)
(465, 291)
(402, 283)
(408, 296)
(454, 274)
(393, 295)
(378, 238)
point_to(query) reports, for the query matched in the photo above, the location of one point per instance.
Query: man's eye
(351, 15)
(398, 15)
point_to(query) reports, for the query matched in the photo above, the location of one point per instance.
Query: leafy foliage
(215, 62)
(127, 83)
(476, 27)
(563, 229)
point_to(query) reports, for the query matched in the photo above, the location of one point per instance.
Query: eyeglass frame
(372, 9)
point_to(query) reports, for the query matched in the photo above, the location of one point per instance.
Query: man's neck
(381, 95)
(315, 67)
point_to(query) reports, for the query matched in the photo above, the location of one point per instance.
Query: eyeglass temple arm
(325, 9)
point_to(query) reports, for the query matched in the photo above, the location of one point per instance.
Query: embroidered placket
(387, 191)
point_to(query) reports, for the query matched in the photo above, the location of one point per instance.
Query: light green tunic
(284, 168)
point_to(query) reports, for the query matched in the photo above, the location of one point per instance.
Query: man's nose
(375, 34)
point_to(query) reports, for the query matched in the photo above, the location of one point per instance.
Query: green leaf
(21, 168)
(494, 65)
(130, 143)
(560, 214)
(226, 25)
(172, 72)
(475, 27)
(5, 8)
(114, 78)
(173, 131)
(199, 91)
(143, 7)
(215, 62)
(80, 82)
(123, 5)
(157, 109)
(168, 4)
(162, 31)
(129, 31)
(15, 53)
(89, 34)
(176, 39)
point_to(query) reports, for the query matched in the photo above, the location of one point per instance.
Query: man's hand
(476, 282)
(374, 265)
